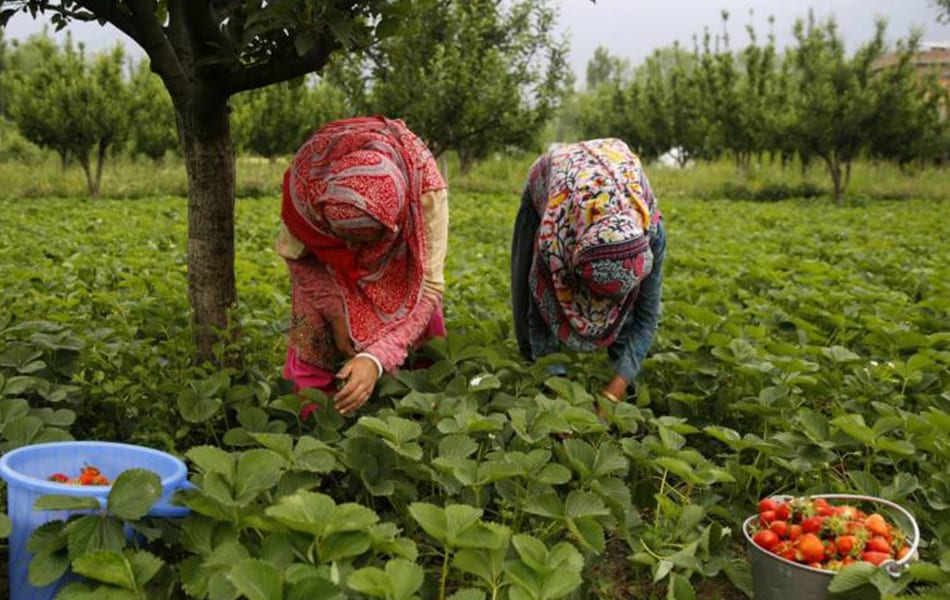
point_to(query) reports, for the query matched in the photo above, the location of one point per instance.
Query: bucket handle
(893, 567)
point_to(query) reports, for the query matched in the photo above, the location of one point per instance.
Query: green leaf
(211, 459)
(532, 551)
(680, 588)
(551, 474)
(350, 517)
(547, 505)
(107, 567)
(678, 467)
(484, 381)
(475, 562)
(145, 565)
(314, 588)
(394, 429)
(64, 502)
(314, 456)
(405, 578)
(457, 445)
(840, 354)
(133, 494)
(343, 545)
(370, 581)
(281, 443)
(94, 532)
(47, 567)
(431, 518)
(5, 526)
(851, 577)
(308, 512)
(589, 533)
(584, 504)
(257, 470)
(48, 537)
(196, 408)
(853, 425)
(257, 580)
(560, 583)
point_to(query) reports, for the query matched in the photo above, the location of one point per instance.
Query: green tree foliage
(205, 51)
(910, 123)
(474, 76)
(815, 102)
(604, 68)
(944, 7)
(152, 115)
(835, 108)
(275, 120)
(73, 106)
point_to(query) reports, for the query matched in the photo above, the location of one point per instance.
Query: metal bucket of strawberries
(797, 544)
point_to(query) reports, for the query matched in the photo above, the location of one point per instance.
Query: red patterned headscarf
(358, 179)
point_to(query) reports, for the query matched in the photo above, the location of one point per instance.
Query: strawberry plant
(801, 352)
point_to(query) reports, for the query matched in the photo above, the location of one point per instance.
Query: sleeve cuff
(379, 365)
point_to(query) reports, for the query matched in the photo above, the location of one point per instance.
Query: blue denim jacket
(535, 338)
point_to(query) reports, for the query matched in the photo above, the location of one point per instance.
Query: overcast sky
(634, 28)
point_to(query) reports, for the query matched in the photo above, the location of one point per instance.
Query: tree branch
(278, 69)
(109, 11)
(203, 32)
(165, 60)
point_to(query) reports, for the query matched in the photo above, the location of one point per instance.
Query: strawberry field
(804, 349)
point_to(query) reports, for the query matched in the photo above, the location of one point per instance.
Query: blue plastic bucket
(26, 471)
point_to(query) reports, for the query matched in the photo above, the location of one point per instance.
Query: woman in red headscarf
(365, 228)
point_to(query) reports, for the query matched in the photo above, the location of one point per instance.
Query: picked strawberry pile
(820, 535)
(88, 475)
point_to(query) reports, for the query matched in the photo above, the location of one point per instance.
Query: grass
(256, 177)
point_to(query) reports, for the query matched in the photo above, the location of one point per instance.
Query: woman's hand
(616, 389)
(360, 374)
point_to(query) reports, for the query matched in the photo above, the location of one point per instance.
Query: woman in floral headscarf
(587, 258)
(365, 223)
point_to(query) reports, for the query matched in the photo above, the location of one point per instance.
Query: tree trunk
(834, 168)
(87, 169)
(100, 161)
(209, 161)
(466, 162)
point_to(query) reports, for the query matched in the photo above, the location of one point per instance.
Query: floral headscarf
(592, 248)
(364, 177)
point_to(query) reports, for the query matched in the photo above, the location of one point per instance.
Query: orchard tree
(473, 76)
(76, 107)
(604, 68)
(688, 125)
(756, 119)
(909, 123)
(152, 115)
(33, 66)
(205, 51)
(836, 105)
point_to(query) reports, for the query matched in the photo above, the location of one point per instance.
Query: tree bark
(209, 161)
(87, 170)
(100, 161)
(834, 168)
